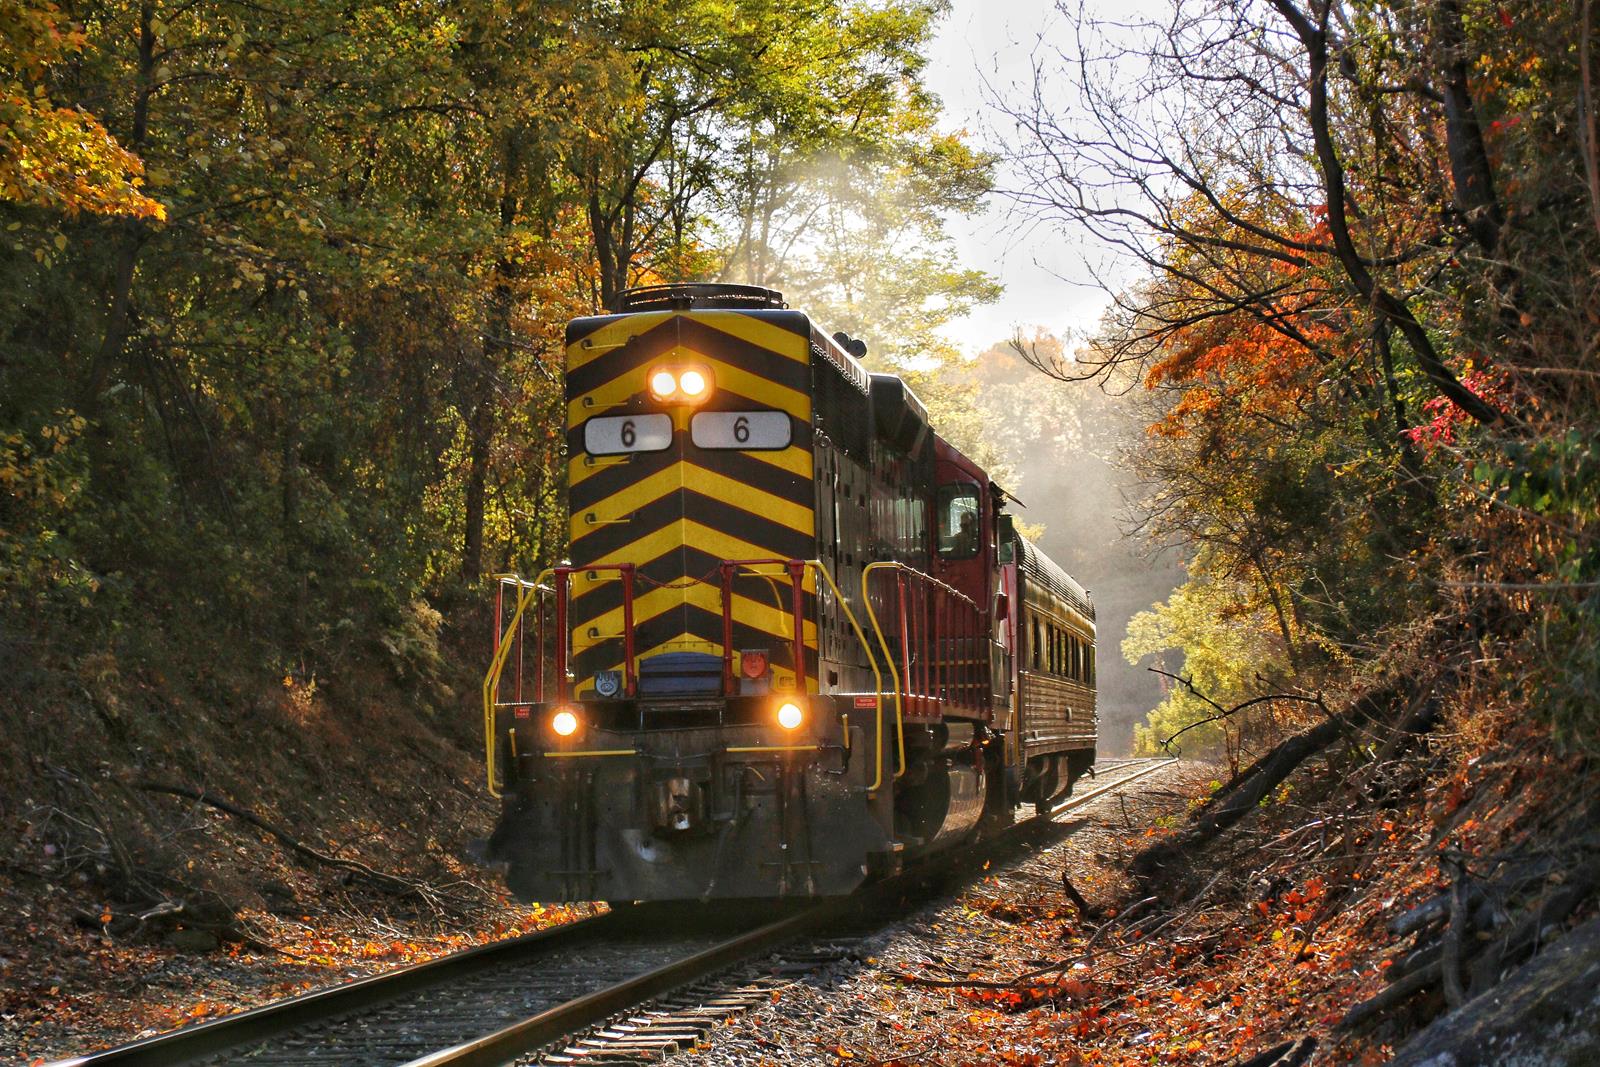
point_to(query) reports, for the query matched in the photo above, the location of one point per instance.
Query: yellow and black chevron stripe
(676, 514)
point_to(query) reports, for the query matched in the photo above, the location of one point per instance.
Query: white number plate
(611, 434)
(740, 429)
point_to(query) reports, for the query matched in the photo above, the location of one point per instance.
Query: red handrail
(794, 570)
(940, 632)
(625, 572)
(728, 570)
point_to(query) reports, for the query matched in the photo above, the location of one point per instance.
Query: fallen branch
(1398, 993)
(387, 883)
(1222, 712)
(1552, 997)
(1254, 784)
(1084, 911)
(1058, 967)
(1525, 937)
(1288, 1054)
(1426, 967)
(1450, 951)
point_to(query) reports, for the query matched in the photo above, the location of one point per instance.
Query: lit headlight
(680, 384)
(693, 383)
(564, 723)
(790, 716)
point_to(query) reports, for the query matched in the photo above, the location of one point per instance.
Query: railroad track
(1121, 772)
(570, 994)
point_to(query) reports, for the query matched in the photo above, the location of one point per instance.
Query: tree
(1348, 306)
(1227, 642)
(56, 157)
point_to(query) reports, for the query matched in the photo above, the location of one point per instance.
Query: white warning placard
(609, 435)
(749, 430)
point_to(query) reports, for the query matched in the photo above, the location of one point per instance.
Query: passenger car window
(959, 524)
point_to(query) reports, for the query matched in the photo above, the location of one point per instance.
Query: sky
(1045, 281)
(983, 47)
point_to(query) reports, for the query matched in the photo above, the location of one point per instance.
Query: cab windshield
(958, 521)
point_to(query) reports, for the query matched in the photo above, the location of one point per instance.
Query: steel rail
(540, 1030)
(1153, 764)
(493, 1050)
(284, 1017)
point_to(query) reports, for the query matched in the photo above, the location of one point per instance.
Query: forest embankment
(282, 293)
(1364, 326)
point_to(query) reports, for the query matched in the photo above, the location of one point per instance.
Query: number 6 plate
(611, 434)
(747, 430)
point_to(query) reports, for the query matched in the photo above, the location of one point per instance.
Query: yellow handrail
(877, 679)
(527, 591)
(894, 675)
(748, 570)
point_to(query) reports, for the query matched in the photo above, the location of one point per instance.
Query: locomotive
(798, 639)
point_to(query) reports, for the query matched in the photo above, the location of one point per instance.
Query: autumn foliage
(1365, 242)
(53, 156)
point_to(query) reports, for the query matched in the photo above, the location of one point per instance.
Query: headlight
(663, 384)
(790, 716)
(564, 723)
(677, 383)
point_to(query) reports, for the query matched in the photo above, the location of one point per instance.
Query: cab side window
(959, 524)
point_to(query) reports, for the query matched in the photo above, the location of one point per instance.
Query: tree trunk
(1277, 610)
(1469, 158)
(477, 480)
(494, 354)
(605, 252)
(1250, 788)
(1314, 38)
(131, 233)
